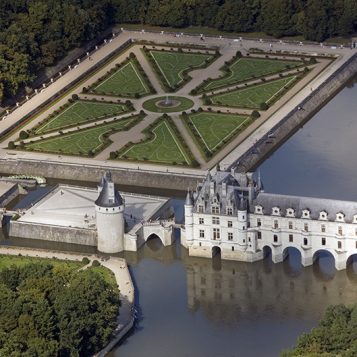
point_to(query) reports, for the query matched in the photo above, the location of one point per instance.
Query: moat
(198, 307)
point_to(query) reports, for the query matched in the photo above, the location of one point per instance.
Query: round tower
(109, 208)
(242, 222)
(189, 216)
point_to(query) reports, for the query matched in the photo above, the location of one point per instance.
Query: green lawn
(253, 96)
(6, 261)
(213, 128)
(79, 112)
(126, 81)
(248, 68)
(163, 148)
(81, 142)
(172, 65)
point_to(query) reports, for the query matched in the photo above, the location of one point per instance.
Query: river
(190, 307)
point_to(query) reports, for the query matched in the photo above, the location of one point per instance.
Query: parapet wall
(296, 117)
(93, 173)
(53, 233)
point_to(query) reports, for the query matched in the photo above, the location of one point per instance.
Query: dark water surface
(198, 307)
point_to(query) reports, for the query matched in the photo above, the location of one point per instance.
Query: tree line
(336, 335)
(36, 33)
(51, 311)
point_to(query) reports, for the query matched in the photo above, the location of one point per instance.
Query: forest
(336, 335)
(36, 33)
(52, 310)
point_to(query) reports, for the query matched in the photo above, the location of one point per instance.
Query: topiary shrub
(85, 260)
(255, 114)
(95, 263)
(23, 134)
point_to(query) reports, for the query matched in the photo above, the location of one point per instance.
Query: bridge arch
(324, 263)
(293, 260)
(154, 242)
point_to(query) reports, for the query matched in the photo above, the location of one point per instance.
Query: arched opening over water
(292, 262)
(216, 258)
(351, 267)
(267, 256)
(154, 243)
(324, 264)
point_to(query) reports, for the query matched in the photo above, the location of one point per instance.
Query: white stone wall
(241, 238)
(110, 227)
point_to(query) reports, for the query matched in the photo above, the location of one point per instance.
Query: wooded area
(336, 335)
(53, 310)
(36, 33)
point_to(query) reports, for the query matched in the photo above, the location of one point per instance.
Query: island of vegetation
(55, 308)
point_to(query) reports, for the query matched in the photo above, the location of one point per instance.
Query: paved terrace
(227, 47)
(70, 206)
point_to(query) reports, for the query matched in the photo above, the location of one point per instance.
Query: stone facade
(231, 214)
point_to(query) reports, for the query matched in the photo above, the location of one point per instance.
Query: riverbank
(122, 276)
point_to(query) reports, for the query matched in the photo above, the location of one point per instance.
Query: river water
(191, 307)
(196, 307)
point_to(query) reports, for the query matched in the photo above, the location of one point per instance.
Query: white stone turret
(242, 222)
(189, 217)
(109, 209)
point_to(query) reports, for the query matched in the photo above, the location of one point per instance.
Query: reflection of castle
(230, 213)
(241, 290)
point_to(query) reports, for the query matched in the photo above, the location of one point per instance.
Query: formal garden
(173, 108)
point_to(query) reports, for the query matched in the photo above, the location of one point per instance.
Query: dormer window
(305, 213)
(340, 217)
(215, 209)
(200, 208)
(229, 211)
(290, 212)
(355, 218)
(276, 211)
(323, 215)
(258, 209)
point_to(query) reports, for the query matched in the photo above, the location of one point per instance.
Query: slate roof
(108, 198)
(314, 205)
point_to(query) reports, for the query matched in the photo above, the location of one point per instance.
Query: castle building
(109, 211)
(231, 214)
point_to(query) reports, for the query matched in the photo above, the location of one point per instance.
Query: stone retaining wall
(93, 173)
(53, 233)
(296, 118)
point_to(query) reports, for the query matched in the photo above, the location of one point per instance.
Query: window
(305, 241)
(291, 238)
(230, 236)
(230, 211)
(356, 232)
(340, 232)
(323, 228)
(306, 227)
(215, 209)
(276, 224)
(339, 245)
(201, 221)
(230, 224)
(259, 222)
(356, 245)
(243, 228)
(216, 233)
(200, 244)
(290, 225)
(200, 209)
(323, 241)
(275, 238)
(259, 235)
(215, 220)
(203, 280)
(202, 233)
(232, 249)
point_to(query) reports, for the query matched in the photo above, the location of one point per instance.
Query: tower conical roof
(109, 196)
(188, 201)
